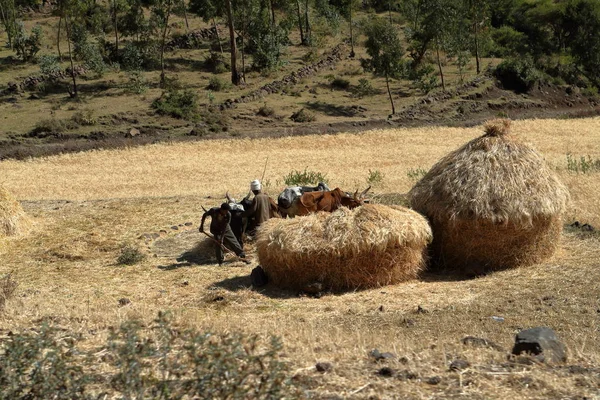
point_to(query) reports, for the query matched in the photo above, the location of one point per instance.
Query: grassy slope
(66, 264)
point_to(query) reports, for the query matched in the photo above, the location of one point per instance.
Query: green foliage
(302, 116)
(130, 256)
(383, 48)
(27, 45)
(340, 83)
(84, 117)
(178, 104)
(8, 286)
(132, 58)
(87, 51)
(582, 23)
(216, 84)
(215, 63)
(364, 88)
(519, 74)
(422, 75)
(137, 82)
(49, 127)
(508, 42)
(375, 177)
(266, 42)
(583, 164)
(159, 361)
(209, 121)
(49, 64)
(415, 174)
(306, 177)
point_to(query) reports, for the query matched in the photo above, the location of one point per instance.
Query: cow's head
(356, 200)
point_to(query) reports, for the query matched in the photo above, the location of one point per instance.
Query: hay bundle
(12, 216)
(370, 246)
(493, 204)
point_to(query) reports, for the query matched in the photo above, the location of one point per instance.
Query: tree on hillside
(346, 8)
(385, 51)
(8, 13)
(209, 11)
(582, 22)
(161, 13)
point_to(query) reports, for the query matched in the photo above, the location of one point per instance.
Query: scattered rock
(380, 308)
(386, 371)
(185, 283)
(379, 356)
(124, 301)
(175, 227)
(434, 380)
(542, 343)
(133, 132)
(188, 224)
(324, 366)
(459, 365)
(258, 277)
(421, 310)
(407, 375)
(480, 342)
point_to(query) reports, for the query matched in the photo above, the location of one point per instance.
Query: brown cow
(330, 201)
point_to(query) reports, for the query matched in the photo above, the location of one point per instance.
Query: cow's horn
(204, 209)
(227, 197)
(364, 192)
(355, 195)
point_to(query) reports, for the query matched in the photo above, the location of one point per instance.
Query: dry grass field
(84, 207)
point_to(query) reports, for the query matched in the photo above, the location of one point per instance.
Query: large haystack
(12, 216)
(370, 246)
(493, 204)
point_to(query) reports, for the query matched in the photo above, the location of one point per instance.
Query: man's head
(255, 186)
(225, 208)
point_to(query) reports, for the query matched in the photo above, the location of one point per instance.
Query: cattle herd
(295, 201)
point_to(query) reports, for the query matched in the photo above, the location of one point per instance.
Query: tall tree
(8, 13)
(161, 13)
(385, 52)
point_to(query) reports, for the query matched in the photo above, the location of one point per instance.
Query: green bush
(583, 164)
(130, 256)
(364, 88)
(209, 121)
(306, 177)
(27, 45)
(415, 174)
(49, 65)
(178, 104)
(137, 82)
(215, 63)
(340, 83)
(217, 85)
(375, 177)
(158, 361)
(302, 116)
(84, 118)
(518, 74)
(50, 127)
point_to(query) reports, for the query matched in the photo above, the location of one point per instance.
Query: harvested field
(87, 206)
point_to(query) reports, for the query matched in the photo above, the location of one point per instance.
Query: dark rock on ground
(124, 301)
(386, 371)
(406, 375)
(459, 365)
(324, 366)
(379, 356)
(434, 380)
(258, 277)
(542, 343)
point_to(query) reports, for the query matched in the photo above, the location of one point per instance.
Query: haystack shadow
(244, 282)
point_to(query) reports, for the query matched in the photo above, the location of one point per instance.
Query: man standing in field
(261, 205)
(219, 227)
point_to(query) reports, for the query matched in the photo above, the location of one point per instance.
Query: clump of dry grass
(8, 286)
(493, 204)
(12, 217)
(370, 246)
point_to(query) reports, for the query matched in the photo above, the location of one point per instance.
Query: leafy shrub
(311, 55)
(210, 121)
(155, 362)
(132, 58)
(27, 45)
(137, 82)
(583, 164)
(302, 116)
(8, 286)
(84, 118)
(215, 63)
(178, 104)
(217, 85)
(340, 83)
(266, 111)
(49, 65)
(518, 74)
(306, 177)
(49, 127)
(364, 88)
(590, 92)
(508, 42)
(130, 256)
(375, 177)
(415, 174)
